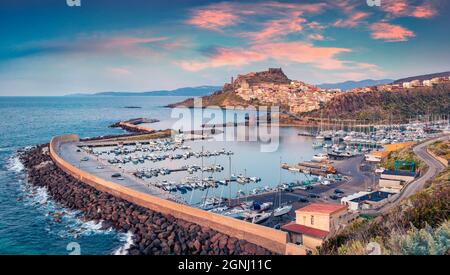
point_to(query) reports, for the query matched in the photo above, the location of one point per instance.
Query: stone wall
(271, 239)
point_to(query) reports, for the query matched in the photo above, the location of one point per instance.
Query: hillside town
(298, 96)
(395, 87)
(273, 87)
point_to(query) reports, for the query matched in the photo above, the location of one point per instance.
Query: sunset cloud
(283, 52)
(281, 27)
(214, 19)
(405, 8)
(390, 32)
(219, 16)
(353, 21)
(223, 57)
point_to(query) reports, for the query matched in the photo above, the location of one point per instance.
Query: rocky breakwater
(153, 232)
(132, 125)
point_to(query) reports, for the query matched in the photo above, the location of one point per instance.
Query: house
(406, 176)
(407, 85)
(367, 200)
(315, 222)
(427, 83)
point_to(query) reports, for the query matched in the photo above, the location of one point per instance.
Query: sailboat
(281, 210)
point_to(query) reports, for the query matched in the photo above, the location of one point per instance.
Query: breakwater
(153, 232)
(132, 125)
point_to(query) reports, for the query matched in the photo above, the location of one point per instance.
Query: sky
(50, 48)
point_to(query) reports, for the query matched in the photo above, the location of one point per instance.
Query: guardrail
(269, 238)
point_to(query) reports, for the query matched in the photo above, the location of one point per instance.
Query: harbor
(219, 178)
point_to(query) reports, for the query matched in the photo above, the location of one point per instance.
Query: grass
(405, 154)
(441, 149)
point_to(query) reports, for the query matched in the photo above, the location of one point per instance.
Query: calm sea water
(26, 224)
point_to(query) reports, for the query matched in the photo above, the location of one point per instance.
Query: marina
(211, 176)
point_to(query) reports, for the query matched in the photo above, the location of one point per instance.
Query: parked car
(334, 197)
(302, 199)
(116, 175)
(313, 196)
(289, 189)
(338, 191)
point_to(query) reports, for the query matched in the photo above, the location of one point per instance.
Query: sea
(27, 225)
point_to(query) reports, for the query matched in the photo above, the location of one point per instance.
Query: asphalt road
(434, 168)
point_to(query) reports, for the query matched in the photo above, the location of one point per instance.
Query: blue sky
(49, 48)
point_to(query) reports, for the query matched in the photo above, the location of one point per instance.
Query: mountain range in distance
(207, 90)
(348, 85)
(187, 91)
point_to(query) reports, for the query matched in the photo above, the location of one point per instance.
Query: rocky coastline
(153, 232)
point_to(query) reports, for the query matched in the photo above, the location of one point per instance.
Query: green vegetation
(405, 154)
(419, 225)
(396, 231)
(441, 149)
(383, 106)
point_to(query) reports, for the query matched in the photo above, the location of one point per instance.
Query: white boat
(265, 206)
(317, 145)
(320, 157)
(282, 210)
(261, 217)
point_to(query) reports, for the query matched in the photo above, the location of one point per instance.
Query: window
(312, 220)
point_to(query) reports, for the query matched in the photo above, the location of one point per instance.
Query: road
(434, 168)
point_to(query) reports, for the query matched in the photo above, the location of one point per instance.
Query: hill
(187, 91)
(422, 77)
(384, 105)
(348, 85)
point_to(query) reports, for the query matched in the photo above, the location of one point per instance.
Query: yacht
(282, 210)
(261, 217)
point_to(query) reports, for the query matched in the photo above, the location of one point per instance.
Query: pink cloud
(404, 8)
(424, 11)
(281, 27)
(390, 32)
(302, 52)
(219, 16)
(214, 19)
(223, 57)
(316, 36)
(353, 21)
(315, 25)
(299, 52)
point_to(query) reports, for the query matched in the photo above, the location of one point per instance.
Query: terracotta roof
(302, 229)
(322, 208)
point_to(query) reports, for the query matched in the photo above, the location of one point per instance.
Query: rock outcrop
(154, 233)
